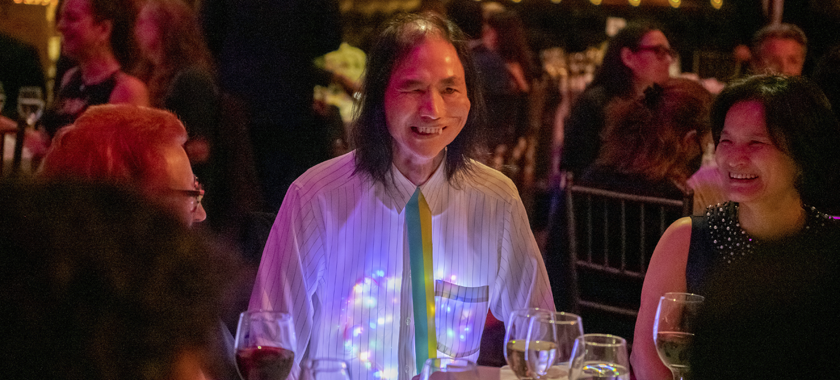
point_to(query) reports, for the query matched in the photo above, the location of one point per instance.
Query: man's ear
(627, 57)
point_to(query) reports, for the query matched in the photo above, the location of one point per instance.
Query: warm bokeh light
(634, 3)
(716, 3)
(36, 2)
(556, 1)
(675, 3)
(596, 2)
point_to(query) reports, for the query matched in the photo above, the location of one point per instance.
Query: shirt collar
(400, 190)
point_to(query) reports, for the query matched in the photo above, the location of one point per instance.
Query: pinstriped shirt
(337, 260)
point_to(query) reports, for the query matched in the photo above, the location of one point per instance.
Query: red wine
(674, 348)
(264, 363)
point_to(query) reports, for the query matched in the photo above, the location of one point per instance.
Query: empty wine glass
(449, 369)
(265, 345)
(600, 356)
(567, 328)
(516, 337)
(324, 369)
(541, 345)
(673, 330)
(30, 104)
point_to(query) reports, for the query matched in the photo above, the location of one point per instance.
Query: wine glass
(324, 369)
(449, 369)
(516, 337)
(599, 356)
(673, 330)
(30, 104)
(541, 344)
(265, 345)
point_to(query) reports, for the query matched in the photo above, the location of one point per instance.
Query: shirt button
(408, 321)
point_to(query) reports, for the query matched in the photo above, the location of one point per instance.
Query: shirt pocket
(460, 314)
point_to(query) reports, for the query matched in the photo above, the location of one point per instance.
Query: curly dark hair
(98, 285)
(800, 123)
(370, 136)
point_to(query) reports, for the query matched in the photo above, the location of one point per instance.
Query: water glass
(600, 356)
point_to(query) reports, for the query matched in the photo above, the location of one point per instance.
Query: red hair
(115, 143)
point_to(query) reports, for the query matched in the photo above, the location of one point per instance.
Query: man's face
(181, 177)
(426, 103)
(781, 56)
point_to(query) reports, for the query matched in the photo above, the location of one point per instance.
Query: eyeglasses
(660, 51)
(198, 194)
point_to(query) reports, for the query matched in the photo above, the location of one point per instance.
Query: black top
(717, 239)
(583, 130)
(74, 98)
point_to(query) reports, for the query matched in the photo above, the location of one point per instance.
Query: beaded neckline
(732, 243)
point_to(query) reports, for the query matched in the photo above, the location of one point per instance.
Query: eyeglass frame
(197, 193)
(659, 50)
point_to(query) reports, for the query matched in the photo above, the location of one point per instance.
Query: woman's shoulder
(129, 89)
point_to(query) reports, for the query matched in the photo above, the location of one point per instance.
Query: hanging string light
(37, 2)
(716, 3)
(675, 3)
(634, 3)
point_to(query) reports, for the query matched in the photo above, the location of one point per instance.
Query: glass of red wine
(265, 345)
(673, 330)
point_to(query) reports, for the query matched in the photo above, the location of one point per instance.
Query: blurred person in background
(652, 145)
(264, 51)
(98, 35)
(138, 147)
(827, 76)
(778, 49)
(507, 70)
(100, 285)
(776, 140)
(636, 58)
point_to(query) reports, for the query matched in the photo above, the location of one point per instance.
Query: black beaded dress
(718, 240)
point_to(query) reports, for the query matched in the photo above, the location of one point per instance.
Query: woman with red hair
(134, 146)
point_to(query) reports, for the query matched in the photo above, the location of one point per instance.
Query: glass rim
(682, 296)
(284, 315)
(616, 340)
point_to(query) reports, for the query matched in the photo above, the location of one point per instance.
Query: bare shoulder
(129, 90)
(667, 266)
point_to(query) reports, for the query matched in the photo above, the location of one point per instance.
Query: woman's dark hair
(512, 44)
(122, 14)
(182, 46)
(370, 136)
(800, 123)
(613, 75)
(645, 136)
(99, 285)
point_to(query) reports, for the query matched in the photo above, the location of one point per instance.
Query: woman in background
(178, 70)
(636, 58)
(97, 35)
(652, 145)
(776, 139)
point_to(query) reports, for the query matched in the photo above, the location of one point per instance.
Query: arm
(288, 270)
(523, 280)
(666, 273)
(129, 90)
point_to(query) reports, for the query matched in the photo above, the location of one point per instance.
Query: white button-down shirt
(337, 260)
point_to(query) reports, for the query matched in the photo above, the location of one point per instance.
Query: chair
(611, 237)
(18, 132)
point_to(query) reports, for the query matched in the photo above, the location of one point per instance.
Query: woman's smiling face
(752, 167)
